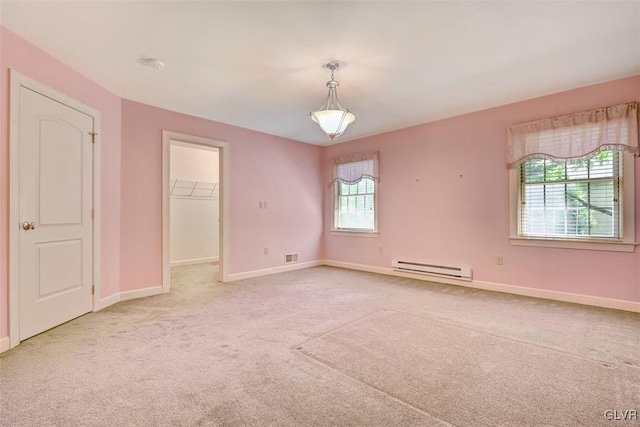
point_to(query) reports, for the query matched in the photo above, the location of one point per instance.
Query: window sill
(593, 245)
(354, 233)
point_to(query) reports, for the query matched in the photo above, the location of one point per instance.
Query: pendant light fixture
(331, 117)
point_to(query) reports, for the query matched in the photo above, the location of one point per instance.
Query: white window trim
(626, 244)
(354, 233)
(351, 231)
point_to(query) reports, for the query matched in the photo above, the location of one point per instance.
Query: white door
(55, 155)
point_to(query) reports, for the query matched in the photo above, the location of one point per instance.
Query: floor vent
(290, 258)
(454, 272)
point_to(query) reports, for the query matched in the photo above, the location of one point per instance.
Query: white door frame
(19, 80)
(223, 151)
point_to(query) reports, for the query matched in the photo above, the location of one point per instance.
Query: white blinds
(352, 168)
(355, 205)
(572, 200)
(574, 136)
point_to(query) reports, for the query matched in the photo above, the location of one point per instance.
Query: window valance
(352, 168)
(575, 136)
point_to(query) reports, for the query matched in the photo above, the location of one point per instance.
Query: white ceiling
(259, 64)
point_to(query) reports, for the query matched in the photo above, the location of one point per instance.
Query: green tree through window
(571, 199)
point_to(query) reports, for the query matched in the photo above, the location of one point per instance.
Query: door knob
(28, 225)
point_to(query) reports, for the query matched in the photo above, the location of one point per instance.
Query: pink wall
(282, 172)
(444, 198)
(16, 53)
(443, 194)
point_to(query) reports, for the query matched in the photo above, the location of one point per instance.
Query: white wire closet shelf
(183, 189)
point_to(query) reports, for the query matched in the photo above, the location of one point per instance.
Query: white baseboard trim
(499, 287)
(274, 270)
(128, 295)
(140, 293)
(5, 344)
(107, 301)
(194, 261)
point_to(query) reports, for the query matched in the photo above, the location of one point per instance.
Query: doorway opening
(195, 208)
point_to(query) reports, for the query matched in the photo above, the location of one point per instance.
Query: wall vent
(454, 272)
(291, 258)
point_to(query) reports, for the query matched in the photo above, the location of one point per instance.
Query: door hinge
(93, 214)
(93, 289)
(93, 136)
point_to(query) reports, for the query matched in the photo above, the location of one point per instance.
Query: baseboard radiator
(454, 272)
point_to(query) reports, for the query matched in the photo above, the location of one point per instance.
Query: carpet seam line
(372, 387)
(295, 347)
(504, 338)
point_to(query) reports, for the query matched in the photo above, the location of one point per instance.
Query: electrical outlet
(266, 251)
(379, 249)
(499, 260)
(261, 205)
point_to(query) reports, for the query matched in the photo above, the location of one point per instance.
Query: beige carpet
(324, 347)
(459, 374)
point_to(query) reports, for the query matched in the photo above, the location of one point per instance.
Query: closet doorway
(195, 179)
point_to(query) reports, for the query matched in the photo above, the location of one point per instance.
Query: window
(355, 205)
(355, 187)
(572, 179)
(581, 199)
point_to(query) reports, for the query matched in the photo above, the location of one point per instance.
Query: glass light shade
(333, 122)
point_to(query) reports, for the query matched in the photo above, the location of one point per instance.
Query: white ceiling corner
(259, 64)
